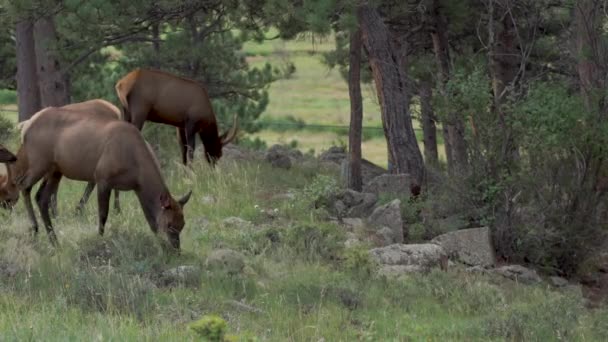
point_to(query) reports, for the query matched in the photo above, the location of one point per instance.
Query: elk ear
(6, 156)
(165, 201)
(182, 201)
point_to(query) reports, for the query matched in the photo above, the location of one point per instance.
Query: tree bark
(505, 59)
(355, 181)
(53, 84)
(28, 92)
(156, 44)
(391, 85)
(429, 129)
(453, 126)
(591, 53)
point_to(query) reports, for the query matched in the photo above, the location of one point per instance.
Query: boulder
(393, 184)
(558, 281)
(337, 155)
(225, 260)
(386, 236)
(181, 273)
(278, 159)
(469, 246)
(389, 215)
(519, 273)
(399, 259)
(353, 224)
(350, 203)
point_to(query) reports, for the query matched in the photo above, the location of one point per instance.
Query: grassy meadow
(299, 283)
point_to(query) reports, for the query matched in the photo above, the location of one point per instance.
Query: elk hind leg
(116, 201)
(190, 140)
(181, 136)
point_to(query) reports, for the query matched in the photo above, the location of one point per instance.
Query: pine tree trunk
(453, 126)
(592, 54)
(355, 181)
(391, 85)
(27, 81)
(504, 66)
(53, 84)
(156, 44)
(429, 129)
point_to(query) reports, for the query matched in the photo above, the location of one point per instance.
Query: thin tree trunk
(355, 181)
(592, 54)
(504, 66)
(453, 126)
(156, 44)
(429, 130)
(391, 85)
(53, 84)
(28, 92)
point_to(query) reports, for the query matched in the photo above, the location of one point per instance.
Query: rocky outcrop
(519, 273)
(398, 259)
(389, 215)
(397, 185)
(337, 155)
(469, 246)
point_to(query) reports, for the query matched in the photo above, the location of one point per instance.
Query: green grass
(303, 283)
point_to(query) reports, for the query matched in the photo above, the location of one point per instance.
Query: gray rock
(225, 260)
(278, 159)
(292, 153)
(469, 246)
(399, 258)
(519, 273)
(232, 152)
(353, 224)
(558, 281)
(387, 236)
(393, 184)
(336, 155)
(476, 269)
(395, 271)
(389, 215)
(350, 203)
(451, 223)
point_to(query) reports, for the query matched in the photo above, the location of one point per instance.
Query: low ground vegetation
(291, 277)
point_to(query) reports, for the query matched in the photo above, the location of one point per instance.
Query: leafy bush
(211, 328)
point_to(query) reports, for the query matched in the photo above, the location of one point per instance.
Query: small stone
(226, 260)
(558, 281)
(519, 273)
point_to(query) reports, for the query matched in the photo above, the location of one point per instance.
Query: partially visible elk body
(101, 109)
(151, 95)
(9, 193)
(110, 153)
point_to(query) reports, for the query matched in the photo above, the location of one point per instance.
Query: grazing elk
(59, 142)
(9, 193)
(151, 95)
(102, 110)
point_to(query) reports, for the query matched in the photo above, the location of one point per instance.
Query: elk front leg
(103, 202)
(27, 199)
(43, 198)
(85, 197)
(190, 140)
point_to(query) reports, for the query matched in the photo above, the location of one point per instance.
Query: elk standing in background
(111, 153)
(151, 95)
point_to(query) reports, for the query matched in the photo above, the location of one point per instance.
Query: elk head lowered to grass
(9, 193)
(59, 142)
(151, 95)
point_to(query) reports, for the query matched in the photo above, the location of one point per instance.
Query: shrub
(7, 129)
(211, 328)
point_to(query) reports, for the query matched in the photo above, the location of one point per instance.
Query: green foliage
(7, 96)
(7, 130)
(320, 241)
(210, 328)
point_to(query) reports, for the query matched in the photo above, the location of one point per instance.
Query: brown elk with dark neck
(152, 95)
(58, 142)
